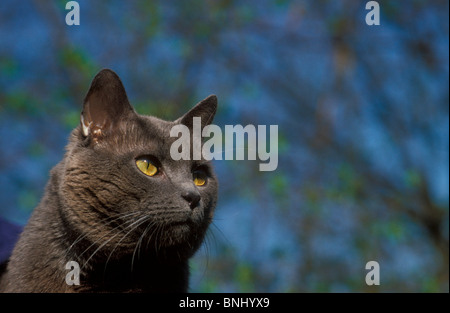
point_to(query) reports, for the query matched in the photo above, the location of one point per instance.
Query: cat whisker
(204, 261)
(107, 241)
(112, 219)
(159, 233)
(139, 243)
(139, 222)
(220, 232)
(149, 227)
(122, 216)
(152, 234)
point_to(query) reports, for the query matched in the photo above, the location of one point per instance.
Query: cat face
(121, 190)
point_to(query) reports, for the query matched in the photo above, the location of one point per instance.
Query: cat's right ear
(105, 105)
(205, 109)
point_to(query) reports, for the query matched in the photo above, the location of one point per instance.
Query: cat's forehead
(149, 133)
(153, 126)
(138, 134)
(141, 135)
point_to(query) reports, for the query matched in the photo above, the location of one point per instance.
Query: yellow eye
(146, 167)
(199, 178)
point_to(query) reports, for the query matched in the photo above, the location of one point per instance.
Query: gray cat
(117, 204)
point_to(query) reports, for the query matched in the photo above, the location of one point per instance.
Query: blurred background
(362, 111)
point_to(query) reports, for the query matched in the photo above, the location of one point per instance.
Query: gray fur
(96, 193)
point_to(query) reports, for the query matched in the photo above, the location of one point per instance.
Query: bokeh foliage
(362, 114)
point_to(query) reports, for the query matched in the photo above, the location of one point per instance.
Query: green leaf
(245, 277)
(278, 184)
(27, 200)
(21, 102)
(71, 119)
(413, 178)
(76, 58)
(36, 149)
(8, 67)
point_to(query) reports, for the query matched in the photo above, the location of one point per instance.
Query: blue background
(362, 114)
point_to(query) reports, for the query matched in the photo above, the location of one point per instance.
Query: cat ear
(205, 109)
(105, 105)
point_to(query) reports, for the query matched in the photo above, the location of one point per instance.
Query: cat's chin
(178, 233)
(183, 237)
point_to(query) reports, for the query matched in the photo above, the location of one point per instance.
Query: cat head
(120, 187)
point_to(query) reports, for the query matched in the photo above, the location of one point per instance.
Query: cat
(117, 204)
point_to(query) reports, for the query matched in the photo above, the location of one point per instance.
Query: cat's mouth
(177, 224)
(179, 232)
(179, 227)
(169, 230)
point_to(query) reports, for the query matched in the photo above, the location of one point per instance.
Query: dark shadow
(9, 233)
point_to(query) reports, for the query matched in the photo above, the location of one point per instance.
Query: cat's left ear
(205, 109)
(105, 106)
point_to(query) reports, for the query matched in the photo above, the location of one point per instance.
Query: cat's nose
(192, 197)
